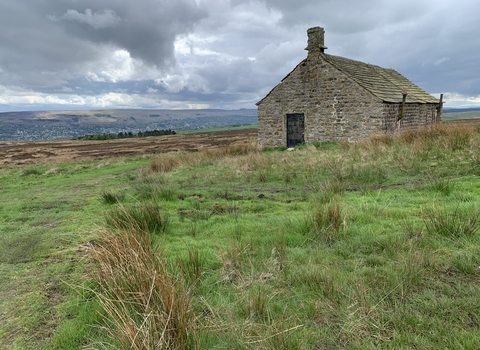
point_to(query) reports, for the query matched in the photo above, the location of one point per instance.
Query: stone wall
(415, 115)
(336, 108)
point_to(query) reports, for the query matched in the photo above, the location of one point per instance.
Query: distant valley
(50, 125)
(460, 113)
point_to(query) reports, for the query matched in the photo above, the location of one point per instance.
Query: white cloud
(173, 83)
(194, 45)
(118, 66)
(456, 100)
(441, 60)
(198, 105)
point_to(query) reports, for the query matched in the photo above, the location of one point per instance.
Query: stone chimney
(316, 40)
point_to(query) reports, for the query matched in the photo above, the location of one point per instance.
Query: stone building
(331, 98)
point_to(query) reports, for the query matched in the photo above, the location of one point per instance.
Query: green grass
(461, 115)
(361, 246)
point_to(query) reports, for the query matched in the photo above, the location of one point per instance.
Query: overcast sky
(170, 54)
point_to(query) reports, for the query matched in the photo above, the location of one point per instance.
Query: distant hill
(461, 110)
(49, 125)
(460, 113)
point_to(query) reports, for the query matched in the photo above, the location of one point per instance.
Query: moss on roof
(386, 84)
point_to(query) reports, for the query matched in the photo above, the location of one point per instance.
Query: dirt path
(55, 152)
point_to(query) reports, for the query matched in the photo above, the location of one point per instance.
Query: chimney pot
(316, 41)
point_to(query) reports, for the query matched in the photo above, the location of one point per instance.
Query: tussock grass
(169, 161)
(461, 222)
(163, 164)
(144, 306)
(32, 172)
(142, 217)
(328, 220)
(156, 191)
(232, 262)
(192, 266)
(440, 184)
(233, 150)
(111, 197)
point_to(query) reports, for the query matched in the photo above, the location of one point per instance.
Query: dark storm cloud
(434, 43)
(221, 53)
(46, 43)
(146, 29)
(32, 50)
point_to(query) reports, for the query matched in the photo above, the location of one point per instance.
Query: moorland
(365, 245)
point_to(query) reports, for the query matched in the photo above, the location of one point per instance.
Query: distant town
(54, 125)
(25, 126)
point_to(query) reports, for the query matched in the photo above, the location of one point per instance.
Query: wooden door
(295, 129)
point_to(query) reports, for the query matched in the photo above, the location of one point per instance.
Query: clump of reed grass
(111, 197)
(192, 266)
(335, 168)
(233, 150)
(257, 303)
(326, 190)
(31, 172)
(162, 164)
(146, 216)
(232, 262)
(452, 224)
(328, 220)
(439, 184)
(156, 189)
(144, 306)
(288, 174)
(458, 139)
(451, 137)
(219, 208)
(167, 162)
(319, 279)
(264, 174)
(382, 139)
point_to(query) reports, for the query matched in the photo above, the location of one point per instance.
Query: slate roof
(386, 84)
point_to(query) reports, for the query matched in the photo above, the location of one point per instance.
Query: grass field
(330, 246)
(461, 115)
(239, 127)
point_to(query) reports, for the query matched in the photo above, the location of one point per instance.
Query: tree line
(127, 135)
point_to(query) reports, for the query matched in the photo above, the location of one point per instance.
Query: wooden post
(440, 109)
(402, 110)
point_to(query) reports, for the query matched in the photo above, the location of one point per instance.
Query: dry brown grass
(145, 307)
(163, 163)
(328, 219)
(169, 161)
(450, 136)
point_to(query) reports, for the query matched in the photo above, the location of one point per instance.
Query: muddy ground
(55, 152)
